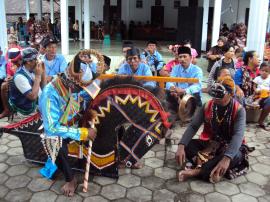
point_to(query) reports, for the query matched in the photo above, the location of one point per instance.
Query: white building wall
(170, 14)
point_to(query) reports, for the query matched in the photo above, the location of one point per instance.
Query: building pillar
(257, 24)
(27, 9)
(205, 24)
(39, 9)
(52, 10)
(119, 16)
(127, 13)
(86, 24)
(216, 22)
(107, 39)
(78, 14)
(64, 27)
(3, 27)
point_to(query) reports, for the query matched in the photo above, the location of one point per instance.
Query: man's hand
(221, 167)
(92, 134)
(180, 155)
(38, 69)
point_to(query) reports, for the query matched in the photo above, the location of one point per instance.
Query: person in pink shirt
(166, 70)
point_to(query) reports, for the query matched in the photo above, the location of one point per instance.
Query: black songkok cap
(107, 60)
(184, 50)
(133, 52)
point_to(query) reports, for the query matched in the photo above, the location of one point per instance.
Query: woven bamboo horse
(130, 120)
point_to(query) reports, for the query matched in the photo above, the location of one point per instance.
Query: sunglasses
(132, 58)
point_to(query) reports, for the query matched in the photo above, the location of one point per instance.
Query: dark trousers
(196, 145)
(62, 162)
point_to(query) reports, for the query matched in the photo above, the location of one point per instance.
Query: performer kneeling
(220, 150)
(59, 104)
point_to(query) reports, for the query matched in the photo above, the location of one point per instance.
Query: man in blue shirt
(54, 63)
(185, 70)
(134, 66)
(152, 57)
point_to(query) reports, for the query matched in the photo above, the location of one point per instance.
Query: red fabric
(35, 117)
(135, 92)
(207, 132)
(252, 74)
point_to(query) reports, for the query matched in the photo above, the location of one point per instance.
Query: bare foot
(69, 188)
(215, 178)
(137, 165)
(185, 174)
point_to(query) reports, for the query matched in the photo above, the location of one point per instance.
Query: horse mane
(158, 92)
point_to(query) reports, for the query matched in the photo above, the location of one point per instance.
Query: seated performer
(54, 63)
(186, 70)
(220, 149)
(134, 66)
(152, 57)
(26, 84)
(59, 107)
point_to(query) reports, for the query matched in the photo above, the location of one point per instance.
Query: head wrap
(14, 54)
(133, 52)
(184, 50)
(228, 83)
(29, 54)
(223, 86)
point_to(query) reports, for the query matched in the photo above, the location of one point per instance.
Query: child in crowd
(239, 57)
(262, 93)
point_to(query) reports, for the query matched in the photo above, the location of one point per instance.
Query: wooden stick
(87, 169)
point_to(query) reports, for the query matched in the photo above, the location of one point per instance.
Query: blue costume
(52, 105)
(55, 66)
(192, 71)
(142, 70)
(153, 60)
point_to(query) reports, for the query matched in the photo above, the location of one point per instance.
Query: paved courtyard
(156, 181)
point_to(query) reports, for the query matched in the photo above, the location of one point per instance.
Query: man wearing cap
(54, 63)
(152, 57)
(26, 84)
(58, 105)
(14, 62)
(135, 67)
(185, 70)
(220, 150)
